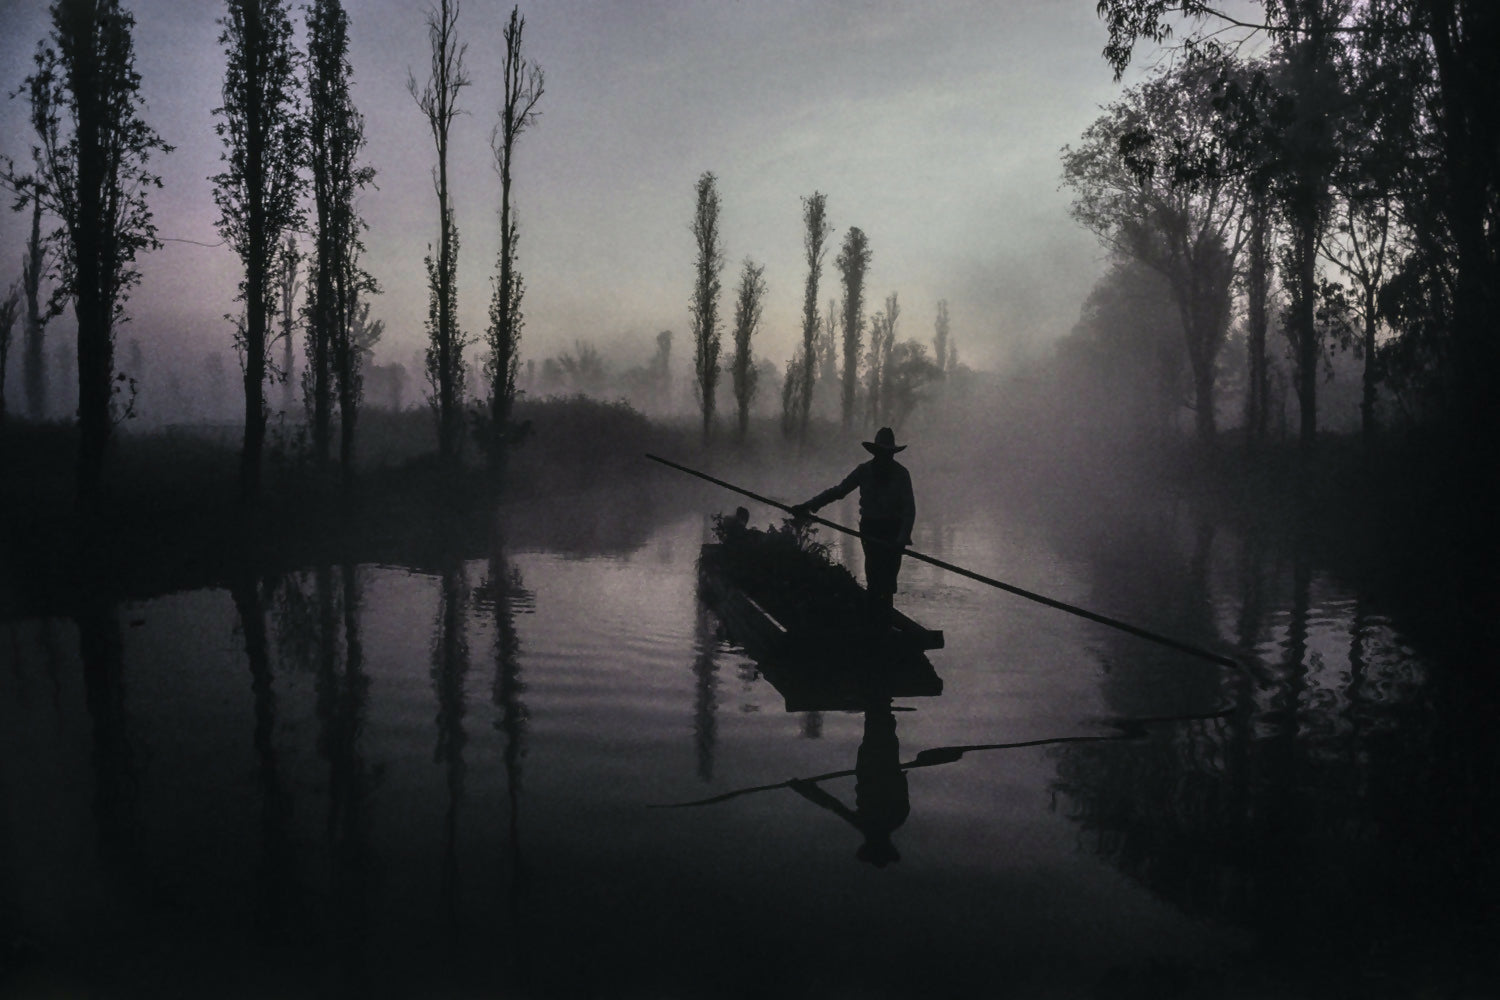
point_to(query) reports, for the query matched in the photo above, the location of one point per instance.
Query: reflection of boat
(821, 667)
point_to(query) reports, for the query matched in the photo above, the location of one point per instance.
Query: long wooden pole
(1051, 602)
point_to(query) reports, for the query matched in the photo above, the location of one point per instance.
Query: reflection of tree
(1318, 812)
(317, 618)
(705, 691)
(504, 595)
(116, 787)
(349, 786)
(276, 878)
(450, 664)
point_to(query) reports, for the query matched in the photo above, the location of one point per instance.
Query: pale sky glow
(935, 127)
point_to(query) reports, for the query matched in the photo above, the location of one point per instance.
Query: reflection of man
(881, 803)
(887, 511)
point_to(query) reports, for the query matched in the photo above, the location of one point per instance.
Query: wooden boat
(820, 667)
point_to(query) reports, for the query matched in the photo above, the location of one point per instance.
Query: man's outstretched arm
(831, 494)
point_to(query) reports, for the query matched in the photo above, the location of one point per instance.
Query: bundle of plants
(789, 573)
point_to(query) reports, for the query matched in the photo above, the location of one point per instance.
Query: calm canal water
(547, 772)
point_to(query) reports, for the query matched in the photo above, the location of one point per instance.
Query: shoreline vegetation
(1394, 518)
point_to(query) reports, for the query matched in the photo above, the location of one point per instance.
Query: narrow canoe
(822, 668)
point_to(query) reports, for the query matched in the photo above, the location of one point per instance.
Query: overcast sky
(934, 126)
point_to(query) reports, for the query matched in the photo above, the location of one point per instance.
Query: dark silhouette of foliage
(522, 90)
(1417, 105)
(853, 261)
(705, 301)
(438, 102)
(259, 193)
(90, 171)
(1148, 185)
(748, 304)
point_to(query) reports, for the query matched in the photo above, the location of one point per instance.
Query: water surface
(550, 772)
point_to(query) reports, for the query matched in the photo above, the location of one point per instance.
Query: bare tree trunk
(93, 304)
(255, 299)
(320, 355)
(34, 364)
(1304, 329)
(1256, 402)
(348, 378)
(1367, 395)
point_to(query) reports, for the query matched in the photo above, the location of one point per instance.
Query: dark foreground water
(546, 773)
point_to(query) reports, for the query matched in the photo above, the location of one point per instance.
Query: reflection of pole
(450, 664)
(705, 693)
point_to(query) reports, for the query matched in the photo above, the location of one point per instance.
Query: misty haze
(751, 500)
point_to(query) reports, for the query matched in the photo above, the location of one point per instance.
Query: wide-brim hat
(884, 443)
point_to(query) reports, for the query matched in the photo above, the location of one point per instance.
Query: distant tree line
(895, 374)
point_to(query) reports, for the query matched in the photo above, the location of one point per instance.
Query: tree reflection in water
(277, 890)
(1329, 811)
(450, 665)
(705, 691)
(503, 595)
(113, 755)
(317, 630)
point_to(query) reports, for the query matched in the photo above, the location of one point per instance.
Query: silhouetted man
(887, 511)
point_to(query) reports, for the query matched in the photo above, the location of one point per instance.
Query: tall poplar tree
(259, 193)
(522, 85)
(705, 302)
(90, 171)
(438, 102)
(748, 303)
(815, 248)
(336, 136)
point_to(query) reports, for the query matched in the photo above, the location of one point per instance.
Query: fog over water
(936, 132)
